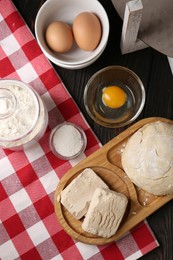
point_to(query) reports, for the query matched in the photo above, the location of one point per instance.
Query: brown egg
(87, 31)
(59, 36)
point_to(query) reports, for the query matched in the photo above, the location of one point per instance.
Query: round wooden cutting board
(71, 225)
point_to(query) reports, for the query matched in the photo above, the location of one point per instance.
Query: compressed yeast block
(105, 212)
(77, 196)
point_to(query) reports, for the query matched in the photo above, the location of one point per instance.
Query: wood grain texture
(153, 69)
(106, 162)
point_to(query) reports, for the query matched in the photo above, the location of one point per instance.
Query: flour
(23, 116)
(5, 105)
(67, 141)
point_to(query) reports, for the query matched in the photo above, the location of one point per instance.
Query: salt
(67, 140)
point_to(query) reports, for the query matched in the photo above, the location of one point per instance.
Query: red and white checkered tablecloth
(29, 228)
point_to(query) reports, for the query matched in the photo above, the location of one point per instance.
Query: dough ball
(148, 158)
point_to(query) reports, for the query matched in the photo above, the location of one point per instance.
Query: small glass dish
(127, 82)
(67, 141)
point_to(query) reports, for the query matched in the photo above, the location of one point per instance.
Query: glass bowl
(67, 141)
(128, 82)
(23, 115)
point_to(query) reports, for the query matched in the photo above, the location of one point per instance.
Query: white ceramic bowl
(66, 11)
(76, 66)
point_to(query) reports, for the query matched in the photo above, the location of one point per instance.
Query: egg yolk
(113, 96)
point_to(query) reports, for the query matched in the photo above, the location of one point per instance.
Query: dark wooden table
(153, 69)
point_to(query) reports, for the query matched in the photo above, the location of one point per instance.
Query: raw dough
(148, 158)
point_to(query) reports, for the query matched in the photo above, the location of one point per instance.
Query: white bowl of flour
(23, 116)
